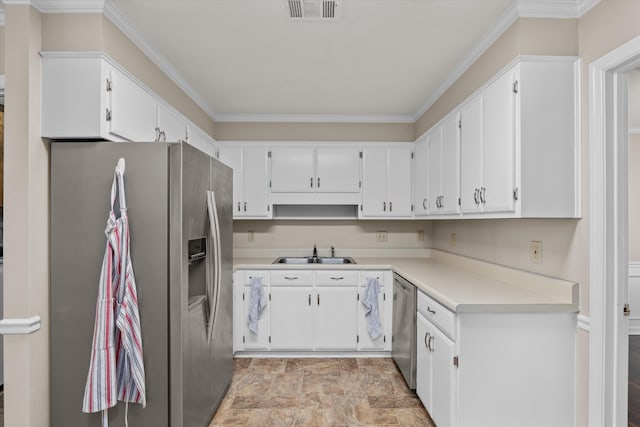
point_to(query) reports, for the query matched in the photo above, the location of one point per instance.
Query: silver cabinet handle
(238, 206)
(318, 182)
(475, 196)
(430, 343)
(430, 311)
(424, 203)
(291, 278)
(245, 206)
(337, 278)
(157, 134)
(426, 340)
(309, 299)
(311, 182)
(318, 299)
(482, 194)
(390, 206)
(384, 206)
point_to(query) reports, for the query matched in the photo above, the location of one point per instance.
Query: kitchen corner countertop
(459, 283)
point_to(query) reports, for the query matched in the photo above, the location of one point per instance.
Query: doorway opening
(608, 231)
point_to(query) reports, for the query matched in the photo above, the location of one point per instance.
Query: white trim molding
(568, 9)
(608, 269)
(634, 131)
(19, 326)
(62, 6)
(584, 322)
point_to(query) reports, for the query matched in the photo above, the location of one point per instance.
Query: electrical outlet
(420, 235)
(251, 236)
(453, 240)
(535, 251)
(381, 236)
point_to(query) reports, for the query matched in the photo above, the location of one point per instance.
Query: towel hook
(120, 165)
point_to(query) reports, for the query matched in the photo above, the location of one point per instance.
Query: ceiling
(378, 60)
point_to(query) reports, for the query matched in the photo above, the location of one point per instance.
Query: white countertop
(461, 284)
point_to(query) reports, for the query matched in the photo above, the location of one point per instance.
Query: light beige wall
(634, 198)
(314, 131)
(341, 234)
(94, 32)
(26, 223)
(1, 50)
(527, 36)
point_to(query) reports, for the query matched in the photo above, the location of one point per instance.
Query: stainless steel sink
(293, 260)
(314, 260)
(335, 260)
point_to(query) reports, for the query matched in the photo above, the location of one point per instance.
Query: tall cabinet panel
(499, 145)
(399, 179)
(450, 201)
(421, 169)
(435, 169)
(374, 181)
(250, 164)
(133, 113)
(471, 155)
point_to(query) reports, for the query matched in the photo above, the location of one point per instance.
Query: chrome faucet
(315, 251)
(333, 252)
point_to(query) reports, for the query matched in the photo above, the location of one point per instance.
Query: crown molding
(506, 20)
(122, 23)
(563, 9)
(62, 6)
(311, 118)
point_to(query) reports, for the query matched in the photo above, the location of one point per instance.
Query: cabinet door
(421, 169)
(374, 181)
(232, 157)
(444, 379)
(291, 318)
(471, 155)
(424, 363)
(292, 170)
(255, 182)
(365, 342)
(499, 145)
(451, 165)
(335, 321)
(172, 126)
(337, 169)
(399, 189)
(251, 340)
(133, 110)
(435, 169)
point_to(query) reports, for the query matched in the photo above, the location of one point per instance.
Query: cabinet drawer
(244, 277)
(437, 314)
(336, 278)
(291, 277)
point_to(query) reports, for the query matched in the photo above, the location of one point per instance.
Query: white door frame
(608, 235)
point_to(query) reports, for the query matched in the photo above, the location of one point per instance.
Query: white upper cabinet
(102, 101)
(450, 200)
(421, 172)
(292, 169)
(519, 151)
(171, 126)
(337, 169)
(471, 155)
(250, 179)
(133, 112)
(315, 169)
(386, 181)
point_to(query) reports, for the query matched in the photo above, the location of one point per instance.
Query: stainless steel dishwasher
(403, 338)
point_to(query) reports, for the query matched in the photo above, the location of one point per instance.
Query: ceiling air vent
(312, 9)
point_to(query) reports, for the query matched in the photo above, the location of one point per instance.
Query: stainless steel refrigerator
(181, 250)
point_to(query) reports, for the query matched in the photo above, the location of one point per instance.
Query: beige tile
(267, 366)
(289, 384)
(294, 365)
(272, 418)
(251, 384)
(322, 366)
(265, 402)
(414, 417)
(346, 410)
(309, 417)
(376, 385)
(384, 417)
(329, 383)
(391, 402)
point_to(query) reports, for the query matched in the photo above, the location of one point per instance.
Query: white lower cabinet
(335, 318)
(310, 310)
(291, 318)
(495, 369)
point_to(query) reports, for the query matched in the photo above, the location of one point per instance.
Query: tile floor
(319, 392)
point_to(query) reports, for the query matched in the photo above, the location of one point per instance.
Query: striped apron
(116, 369)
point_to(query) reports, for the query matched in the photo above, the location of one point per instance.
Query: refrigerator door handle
(217, 260)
